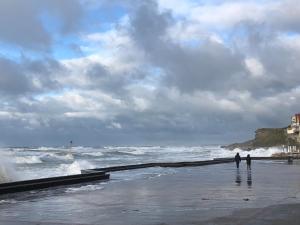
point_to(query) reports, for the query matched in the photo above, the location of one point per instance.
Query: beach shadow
(238, 178)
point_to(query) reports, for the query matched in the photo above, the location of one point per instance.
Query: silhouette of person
(237, 160)
(248, 160)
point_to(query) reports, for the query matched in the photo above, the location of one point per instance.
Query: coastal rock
(266, 138)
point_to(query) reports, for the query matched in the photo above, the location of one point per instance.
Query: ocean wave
(132, 152)
(7, 170)
(72, 161)
(267, 152)
(43, 148)
(259, 152)
(82, 148)
(53, 157)
(97, 154)
(28, 160)
(75, 167)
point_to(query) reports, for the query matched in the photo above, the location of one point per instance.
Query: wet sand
(215, 194)
(275, 215)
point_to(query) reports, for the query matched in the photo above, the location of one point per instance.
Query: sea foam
(75, 167)
(28, 160)
(7, 170)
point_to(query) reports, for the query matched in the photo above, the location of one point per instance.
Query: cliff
(265, 138)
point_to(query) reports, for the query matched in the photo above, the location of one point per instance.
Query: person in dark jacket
(248, 160)
(237, 160)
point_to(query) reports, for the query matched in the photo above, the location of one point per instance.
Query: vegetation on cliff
(265, 138)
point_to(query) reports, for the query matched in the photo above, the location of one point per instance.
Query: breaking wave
(7, 170)
(48, 157)
(132, 152)
(28, 160)
(97, 154)
(75, 167)
(259, 152)
(44, 162)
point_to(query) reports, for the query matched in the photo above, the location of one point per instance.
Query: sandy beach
(215, 194)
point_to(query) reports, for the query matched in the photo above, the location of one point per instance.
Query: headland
(273, 137)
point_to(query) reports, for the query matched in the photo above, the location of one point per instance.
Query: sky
(146, 72)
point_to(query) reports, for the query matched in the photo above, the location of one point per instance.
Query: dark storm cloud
(19, 24)
(100, 77)
(42, 66)
(69, 11)
(28, 77)
(207, 67)
(12, 78)
(115, 83)
(212, 66)
(282, 67)
(21, 21)
(286, 16)
(43, 70)
(149, 26)
(276, 51)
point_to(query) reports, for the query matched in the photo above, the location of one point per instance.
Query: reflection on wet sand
(238, 178)
(249, 178)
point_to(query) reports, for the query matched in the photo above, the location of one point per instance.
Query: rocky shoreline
(266, 138)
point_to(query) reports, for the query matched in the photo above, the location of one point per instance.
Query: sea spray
(33, 163)
(76, 167)
(7, 170)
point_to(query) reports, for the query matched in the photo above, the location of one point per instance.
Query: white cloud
(228, 14)
(141, 104)
(115, 125)
(255, 67)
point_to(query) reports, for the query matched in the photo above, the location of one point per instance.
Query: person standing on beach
(248, 160)
(237, 160)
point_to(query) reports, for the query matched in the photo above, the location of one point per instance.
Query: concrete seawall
(176, 164)
(29, 185)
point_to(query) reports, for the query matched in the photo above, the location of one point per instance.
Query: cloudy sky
(152, 72)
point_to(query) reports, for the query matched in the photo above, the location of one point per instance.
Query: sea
(23, 163)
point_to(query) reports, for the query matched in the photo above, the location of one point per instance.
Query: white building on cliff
(294, 128)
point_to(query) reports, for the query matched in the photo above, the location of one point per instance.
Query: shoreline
(187, 195)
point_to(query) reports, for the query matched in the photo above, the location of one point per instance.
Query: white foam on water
(43, 148)
(81, 148)
(148, 173)
(97, 154)
(7, 170)
(55, 157)
(9, 201)
(259, 152)
(85, 188)
(46, 162)
(28, 160)
(133, 151)
(75, 167)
